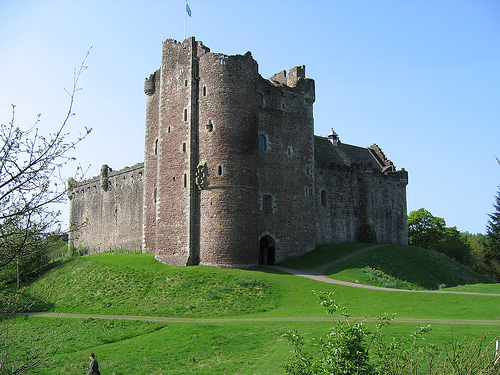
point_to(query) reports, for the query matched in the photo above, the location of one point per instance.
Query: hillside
(392, 266)
(241, 315)
(136, 284)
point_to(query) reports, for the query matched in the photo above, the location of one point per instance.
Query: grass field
(264, 304)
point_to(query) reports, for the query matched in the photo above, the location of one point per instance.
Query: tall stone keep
(233, 174)
(201, 157)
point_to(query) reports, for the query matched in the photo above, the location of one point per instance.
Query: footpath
(317, 274)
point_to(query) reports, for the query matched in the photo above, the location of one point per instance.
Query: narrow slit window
(204, 90)
(262, 142)
(185, 114)
(156, 147)
(183, 146)
(185, 180)
(219, 170)
(323, 198)
(261, 100)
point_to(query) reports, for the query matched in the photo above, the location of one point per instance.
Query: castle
(233, 175)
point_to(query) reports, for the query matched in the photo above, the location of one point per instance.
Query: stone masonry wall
(361, 205)
(229, 154)
(286, 177)
(107, 210)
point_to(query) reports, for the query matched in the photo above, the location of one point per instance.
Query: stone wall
(286, 162)
(106, 211)
(228, 150)
(356, 200)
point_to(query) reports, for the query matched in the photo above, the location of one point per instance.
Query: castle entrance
(266, 254)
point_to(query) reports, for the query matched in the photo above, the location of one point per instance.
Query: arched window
(262, 142)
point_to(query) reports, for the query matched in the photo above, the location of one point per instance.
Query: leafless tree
(31, 182)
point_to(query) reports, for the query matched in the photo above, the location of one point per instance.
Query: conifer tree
(493, 232)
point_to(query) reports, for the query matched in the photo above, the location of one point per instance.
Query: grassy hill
(392, 266)
(262, 304)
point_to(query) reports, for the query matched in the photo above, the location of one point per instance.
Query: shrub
(351, 348)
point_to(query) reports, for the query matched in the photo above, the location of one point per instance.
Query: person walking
(94, 365)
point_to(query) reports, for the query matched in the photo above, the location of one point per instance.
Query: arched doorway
(266, 254)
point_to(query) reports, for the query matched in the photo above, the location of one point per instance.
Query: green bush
(350, 348)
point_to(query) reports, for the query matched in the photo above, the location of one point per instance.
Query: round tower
(228, 160)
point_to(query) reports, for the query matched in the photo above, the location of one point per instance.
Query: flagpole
(185, 19)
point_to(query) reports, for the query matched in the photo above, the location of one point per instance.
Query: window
(183, 146)
(156, 147)
(204, 90)
(210, 126)
(262, 142)
(323, 198)
(219, 170)
(267, 203)
(185, 114)
(185, 180)
(261, 100)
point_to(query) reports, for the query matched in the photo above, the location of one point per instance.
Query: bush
(351, 348)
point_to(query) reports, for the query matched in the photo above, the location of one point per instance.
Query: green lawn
(405, 267)
(135, 284)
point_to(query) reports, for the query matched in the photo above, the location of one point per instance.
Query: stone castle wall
(359, 204)
(286, 162)
(228, 152)
(107, 210)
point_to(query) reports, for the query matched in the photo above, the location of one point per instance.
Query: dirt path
(225, 320)
(317, 274)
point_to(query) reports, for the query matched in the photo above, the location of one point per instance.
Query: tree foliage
(492, 253)
(430, 232)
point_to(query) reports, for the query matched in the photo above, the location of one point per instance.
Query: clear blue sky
(421, 78)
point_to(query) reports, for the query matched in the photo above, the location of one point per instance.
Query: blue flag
(188, 10)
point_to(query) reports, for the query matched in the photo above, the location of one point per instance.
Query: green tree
(425, 230)
(430, 232)
(492, 254)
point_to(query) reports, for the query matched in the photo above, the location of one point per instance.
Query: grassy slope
(137, 285)
(419, 268)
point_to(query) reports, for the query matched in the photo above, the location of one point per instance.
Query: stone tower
(201, 158)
